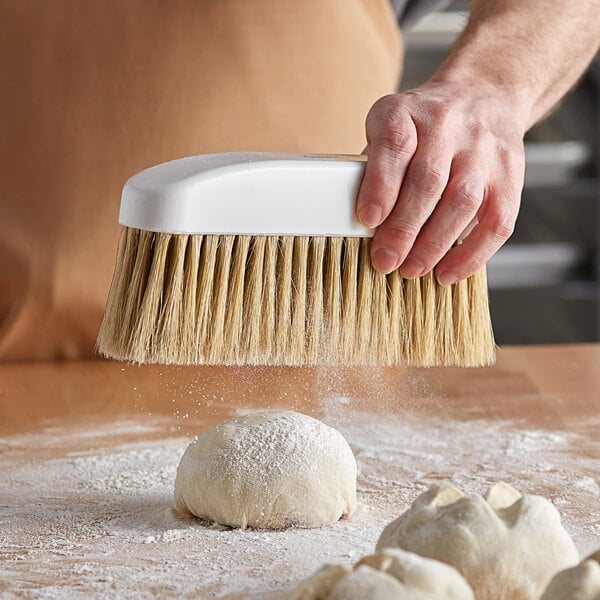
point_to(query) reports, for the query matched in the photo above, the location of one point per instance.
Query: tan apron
(93, 91)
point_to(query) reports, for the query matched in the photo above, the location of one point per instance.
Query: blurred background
(545, 282)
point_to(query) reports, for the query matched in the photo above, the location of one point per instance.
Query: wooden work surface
(88, 452)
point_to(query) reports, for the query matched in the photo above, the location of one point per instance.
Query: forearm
(450, 153)
(533, 51)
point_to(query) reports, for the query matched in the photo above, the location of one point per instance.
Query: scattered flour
(94, 518)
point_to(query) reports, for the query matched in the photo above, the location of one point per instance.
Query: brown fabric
(92, 92)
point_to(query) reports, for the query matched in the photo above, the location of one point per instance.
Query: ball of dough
(579, 583)
(268, 470)
(390, 574)
(506, 545)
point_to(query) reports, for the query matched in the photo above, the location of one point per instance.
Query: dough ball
(392, 574)
(268, 470)
(506, 545)
(579, 583)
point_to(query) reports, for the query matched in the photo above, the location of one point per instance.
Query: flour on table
(86, 515)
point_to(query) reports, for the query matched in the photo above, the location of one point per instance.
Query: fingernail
(412, 268)
(385, 260)
(447, 277)
(370, 215)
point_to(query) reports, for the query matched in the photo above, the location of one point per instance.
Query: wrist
(514, 93)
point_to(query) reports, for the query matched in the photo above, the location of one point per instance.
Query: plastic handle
(251, 193)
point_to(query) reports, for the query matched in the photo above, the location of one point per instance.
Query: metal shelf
(536, 265)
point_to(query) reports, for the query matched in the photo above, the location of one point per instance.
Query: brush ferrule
(252, 193)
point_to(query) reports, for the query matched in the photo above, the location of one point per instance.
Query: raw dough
(391, 574)
(268, 470)
(579, 583)
(506, 545)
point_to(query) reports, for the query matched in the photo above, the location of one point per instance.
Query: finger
(457, 208)
(392, 141)
(497, 221)
(424, 183)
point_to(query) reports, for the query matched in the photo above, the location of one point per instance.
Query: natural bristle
(233, 300)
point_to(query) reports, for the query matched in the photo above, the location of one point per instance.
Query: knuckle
(387, 110)
(481, 135)
(511, 158)
(466, 199)
(426, 176)
(390, 127)
(501, 226)
(443, 111)
(399, 142)
(399, 233)
(433, 248)
(386, 104)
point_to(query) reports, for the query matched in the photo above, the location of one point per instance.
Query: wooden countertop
(51, 412)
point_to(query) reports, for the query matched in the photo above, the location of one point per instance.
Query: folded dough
(391, 574)
(505, 544)
(578, 583)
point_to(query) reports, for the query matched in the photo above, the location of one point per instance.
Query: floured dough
(268, 470)
(578, 583)
(506, 545)
(391, 574)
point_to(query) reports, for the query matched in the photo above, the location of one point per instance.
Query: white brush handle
(248, 193)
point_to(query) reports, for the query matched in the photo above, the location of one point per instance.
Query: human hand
(440, 157)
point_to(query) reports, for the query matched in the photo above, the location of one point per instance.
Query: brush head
(247, 193)
(254, 258)
(284, 300)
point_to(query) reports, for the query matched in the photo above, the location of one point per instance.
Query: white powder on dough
(271, 470)
(91, 517)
